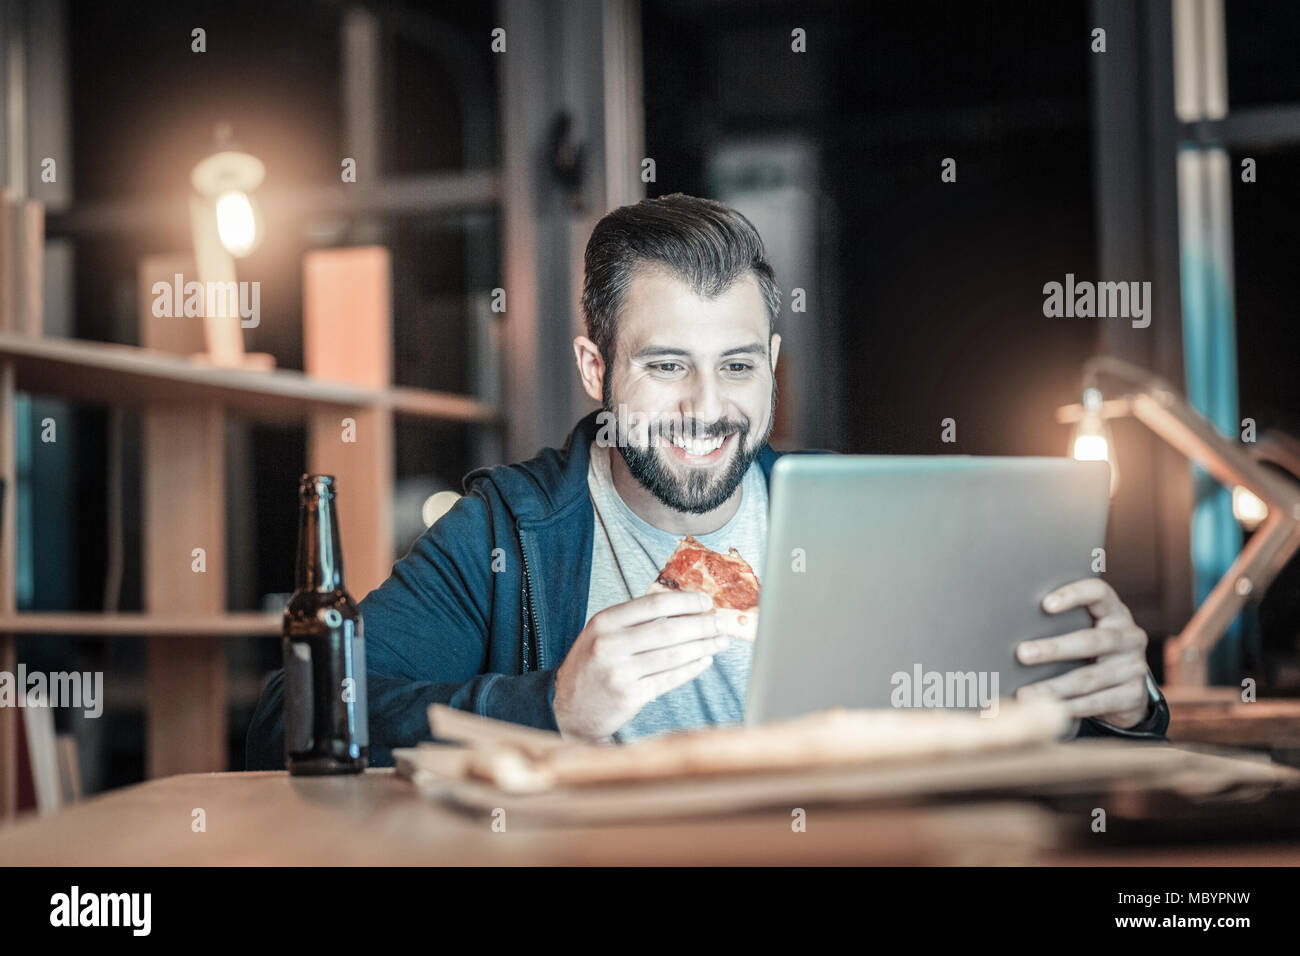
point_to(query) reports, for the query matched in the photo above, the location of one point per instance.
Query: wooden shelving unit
(125, 624)
(107, 374)
(184, 402)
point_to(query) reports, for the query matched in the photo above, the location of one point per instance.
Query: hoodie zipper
(523, 615)
(530, 618)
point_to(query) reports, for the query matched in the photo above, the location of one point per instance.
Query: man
(526, 601)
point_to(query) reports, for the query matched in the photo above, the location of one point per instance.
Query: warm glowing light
(437, 505)
(237, 223)
(227, 179)
(1091, 448)
(1092, 439)
(1247, 508)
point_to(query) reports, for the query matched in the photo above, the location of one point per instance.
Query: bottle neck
(320, 559)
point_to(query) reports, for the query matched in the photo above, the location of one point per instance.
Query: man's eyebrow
(659, 351)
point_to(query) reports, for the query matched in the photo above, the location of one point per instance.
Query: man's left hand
(1112, 687)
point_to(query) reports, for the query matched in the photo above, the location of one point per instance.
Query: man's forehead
(661, 313)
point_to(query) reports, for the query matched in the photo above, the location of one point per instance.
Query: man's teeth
(699, 446)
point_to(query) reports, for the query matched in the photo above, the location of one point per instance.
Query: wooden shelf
(104, 373)
(91, 624)
(129, 695)
(420, 403)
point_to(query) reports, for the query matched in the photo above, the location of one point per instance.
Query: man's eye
(666, 366)
(739, 368)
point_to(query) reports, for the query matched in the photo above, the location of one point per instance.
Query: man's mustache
(719, 429)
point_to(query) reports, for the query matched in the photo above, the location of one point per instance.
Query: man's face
(695, 381)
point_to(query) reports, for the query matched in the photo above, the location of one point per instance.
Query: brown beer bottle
(325, 728)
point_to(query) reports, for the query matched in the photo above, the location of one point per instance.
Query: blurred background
(441, 282)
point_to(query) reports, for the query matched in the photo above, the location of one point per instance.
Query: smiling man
(527, 601)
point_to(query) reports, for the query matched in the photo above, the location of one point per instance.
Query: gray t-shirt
(626, 555)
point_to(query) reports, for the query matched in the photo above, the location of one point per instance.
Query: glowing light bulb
(1247, 508)
(237, 223)
(1092, 440)
(227, 179)
(1091, 448)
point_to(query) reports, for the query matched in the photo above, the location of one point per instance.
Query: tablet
(898, 581)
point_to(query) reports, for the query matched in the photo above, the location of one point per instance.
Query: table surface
(379, 818)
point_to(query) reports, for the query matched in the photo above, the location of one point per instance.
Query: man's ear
(591, 367)
(774, 348)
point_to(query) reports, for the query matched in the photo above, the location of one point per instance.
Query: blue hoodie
(483, 609)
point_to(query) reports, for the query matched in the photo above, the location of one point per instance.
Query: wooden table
(378, 818)
(1223, 718)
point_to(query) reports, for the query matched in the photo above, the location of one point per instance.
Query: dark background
(939, 285)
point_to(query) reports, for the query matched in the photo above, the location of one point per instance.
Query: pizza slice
(727, 578)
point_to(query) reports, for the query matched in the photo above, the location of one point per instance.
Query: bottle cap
(316, 485)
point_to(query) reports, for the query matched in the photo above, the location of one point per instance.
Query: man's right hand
(631, 653)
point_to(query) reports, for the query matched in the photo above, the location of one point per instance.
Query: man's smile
(699, 452)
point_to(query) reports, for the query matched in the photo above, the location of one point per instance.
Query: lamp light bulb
(1247, 508)
(237, 223)
(1092, 439)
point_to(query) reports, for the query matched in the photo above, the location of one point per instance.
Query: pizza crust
(741, 624)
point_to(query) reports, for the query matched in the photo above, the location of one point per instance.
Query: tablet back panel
(885, 565)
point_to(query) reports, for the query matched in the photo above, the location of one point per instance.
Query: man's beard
(700, 492)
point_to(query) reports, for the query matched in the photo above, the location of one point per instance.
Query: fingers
(1111, 672)
(666, 658)
(651, 606)
(1128, 698)
(663, 632)
(661, 683)
(1093, 593)
(1082, 645)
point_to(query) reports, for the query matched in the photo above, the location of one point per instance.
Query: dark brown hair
(701, 242)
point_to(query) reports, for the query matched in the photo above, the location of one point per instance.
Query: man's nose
(704, 404)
